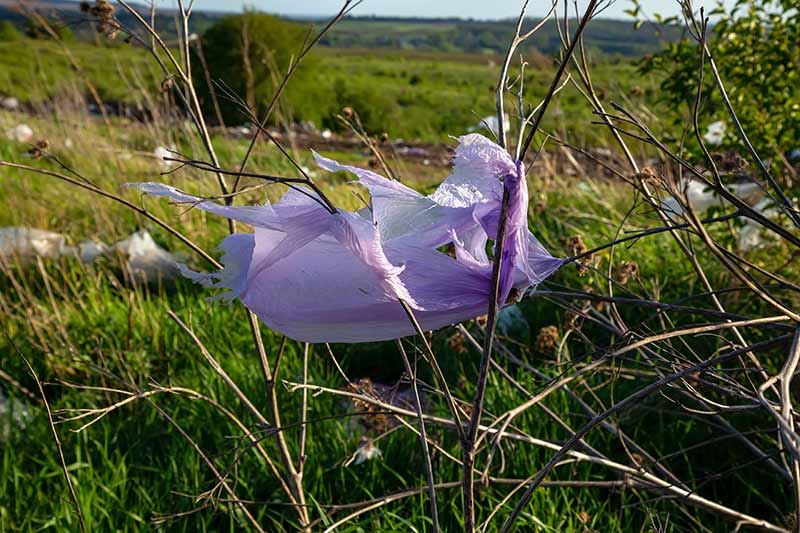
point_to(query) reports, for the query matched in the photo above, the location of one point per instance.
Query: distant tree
(36, 31)
(756, 46)
(250, 53)
(9, 32)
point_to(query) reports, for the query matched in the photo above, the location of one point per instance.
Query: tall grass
(626, 345)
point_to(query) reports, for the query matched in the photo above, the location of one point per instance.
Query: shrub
(755, 46)
(251, 53)
(9, 32)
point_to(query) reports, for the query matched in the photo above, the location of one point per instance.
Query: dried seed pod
(576, 245)
(625, 271)
(547, 339)
(457, 344)
(646, 175)
(572, 321)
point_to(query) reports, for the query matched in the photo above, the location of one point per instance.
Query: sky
(479, 9)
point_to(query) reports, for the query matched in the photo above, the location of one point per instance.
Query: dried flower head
(373, 418)
(37, 150)
(729, 162)
(625, 271)
(573, 320)
(791, 522)
(576, 247)
(103, 10)
(646, 175)
(109, 28)
(366, 451)
(547, 339)
(348, 112)
(457, 344)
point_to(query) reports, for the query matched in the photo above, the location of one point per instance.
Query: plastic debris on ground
(14, 416)
(490, 123)
(21, 133)
(147, 262)
(512, 323)
(701, 197)
(28, 243)
(9, 103)
(143, 260)
(715, 133)
(88, 251)
(162, 152)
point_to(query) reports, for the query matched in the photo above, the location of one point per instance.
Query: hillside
(614, 38)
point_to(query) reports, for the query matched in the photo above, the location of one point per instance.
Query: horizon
(444, 9)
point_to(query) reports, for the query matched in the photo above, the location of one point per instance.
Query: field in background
(413, 95)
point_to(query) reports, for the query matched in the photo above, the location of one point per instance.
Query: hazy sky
(481, 9)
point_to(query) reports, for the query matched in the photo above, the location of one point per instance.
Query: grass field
(408, 94)
(96, 339)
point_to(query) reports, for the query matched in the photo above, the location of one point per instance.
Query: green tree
(756, 46)
(250, 53)
(9, 32)
(35, 30)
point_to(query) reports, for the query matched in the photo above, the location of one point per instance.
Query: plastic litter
(490, 123)
(143, 259)
(162, 152)
(14, 415)
(147, 262)
(9, 103)
(21, 133)
(88, 251)
(512, 323)
(715, 133)
(27, 243)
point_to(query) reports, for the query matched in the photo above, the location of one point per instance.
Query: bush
(37, 31)
(755, 46)
(9, 32)
(251, 53)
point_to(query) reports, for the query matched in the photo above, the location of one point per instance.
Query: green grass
(134, 466)
(410, 95)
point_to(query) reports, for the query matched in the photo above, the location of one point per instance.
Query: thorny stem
(650, 480)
